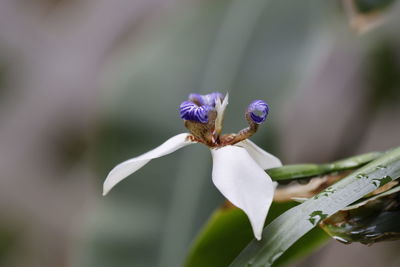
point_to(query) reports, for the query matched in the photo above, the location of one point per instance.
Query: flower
(238, 163)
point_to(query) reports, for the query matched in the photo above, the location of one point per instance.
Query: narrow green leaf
(307, 244)
(294, 223)
(298, 171)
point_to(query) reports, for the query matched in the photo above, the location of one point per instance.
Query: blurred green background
(86, 84)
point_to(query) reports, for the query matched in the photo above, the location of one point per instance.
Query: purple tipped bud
(206, 100)
(211, 99)
(197, 99)
(192, 112)
(258, 111)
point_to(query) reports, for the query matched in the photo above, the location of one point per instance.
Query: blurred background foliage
(86, 84)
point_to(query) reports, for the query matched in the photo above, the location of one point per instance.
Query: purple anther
(258, 111)
(192, 112)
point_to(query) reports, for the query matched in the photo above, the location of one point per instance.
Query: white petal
(262, 157)
(241, 180)
(128, 167)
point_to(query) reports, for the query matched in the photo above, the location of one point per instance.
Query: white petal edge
(241, 180)
(126, 168)
(264, 159)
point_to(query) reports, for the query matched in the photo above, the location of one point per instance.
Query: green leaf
(294, 223)
(298, 171)
(223, 237)
(226, 233)
(304, 246)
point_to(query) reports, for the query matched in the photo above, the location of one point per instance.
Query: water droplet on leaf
(341, 239)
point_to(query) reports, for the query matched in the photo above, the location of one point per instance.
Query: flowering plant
(238, 163)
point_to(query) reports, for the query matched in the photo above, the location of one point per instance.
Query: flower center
(204, 114)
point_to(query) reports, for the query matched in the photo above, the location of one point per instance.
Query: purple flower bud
(258, 111)
(192, 112)
(206, 100)
(210, 99)
(196, 98)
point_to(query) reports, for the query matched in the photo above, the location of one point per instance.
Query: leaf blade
(298, 171)
(294, 223)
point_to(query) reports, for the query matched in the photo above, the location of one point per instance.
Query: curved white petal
(128, 167)
(262, 157)
(241, 180)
